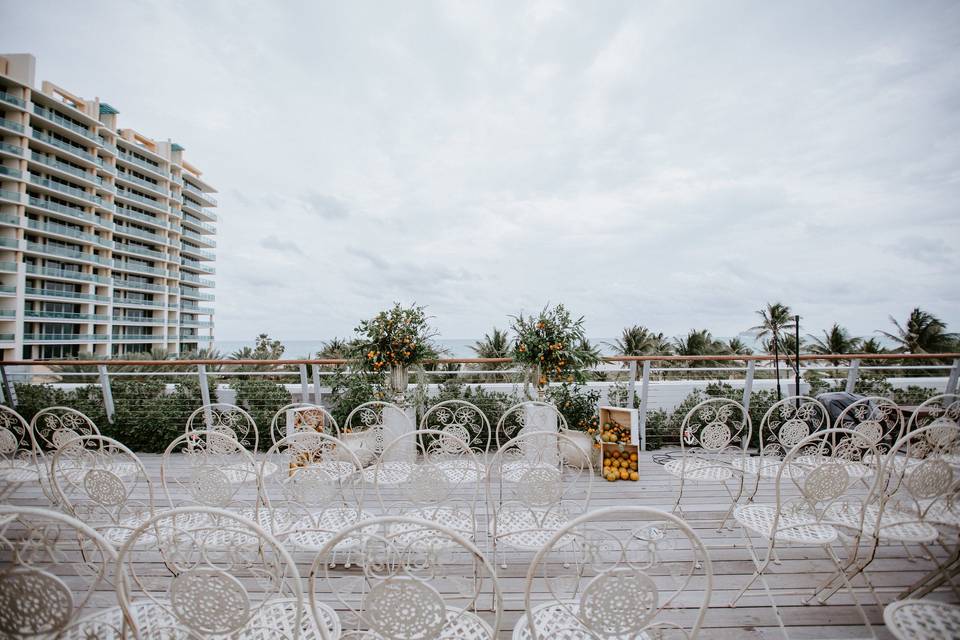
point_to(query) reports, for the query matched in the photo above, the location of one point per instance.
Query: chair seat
(312, 532)
(555, 620)
(19, 471)
(460, 625)
(156, 621)
(462, 471)
(855, 470)
(894, 526)
(515, 471)
(459, 520)
(698, 470)
(751, 465)
(795, 529)
(244, 473)
(529, 529)
(922, 619)
(393, 472)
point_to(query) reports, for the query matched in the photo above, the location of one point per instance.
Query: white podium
(396, 424)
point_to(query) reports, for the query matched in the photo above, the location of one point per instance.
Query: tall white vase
(541, 418)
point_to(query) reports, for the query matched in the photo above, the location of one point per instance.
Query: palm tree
(640, 341)
(922, 333)
(774, 318)
(737, 347)
(494, 345)
(836, 340)
(699, 343)
(872, 345)
(335, 349)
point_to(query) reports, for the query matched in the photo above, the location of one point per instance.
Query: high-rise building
(106, 235)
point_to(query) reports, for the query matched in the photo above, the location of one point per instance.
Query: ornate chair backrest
(463, 419)
(302, 416)
(878, 420)
(368, 425)
(313, 475)
(45, 584)
(817, 475)
(100, 481)
(18, 451)
(716, 427)
(611, 582)
(788, 421)
(443, 479)
(924, 476)
(531, 415)
(55, 426)
(530, 476)
(208, 592)
(942, 409)
(206, 468)
(225, 418)
(407, 589)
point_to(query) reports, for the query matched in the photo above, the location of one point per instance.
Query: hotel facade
(106, 236)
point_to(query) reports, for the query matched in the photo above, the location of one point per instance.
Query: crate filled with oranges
(619, 444)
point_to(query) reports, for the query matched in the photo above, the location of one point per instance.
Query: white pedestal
(541, 449)
(396, 424)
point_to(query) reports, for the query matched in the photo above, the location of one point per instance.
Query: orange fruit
(633, 457)
(623, 474)
(634, 476)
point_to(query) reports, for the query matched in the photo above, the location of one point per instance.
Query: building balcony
(77, 152)
(40, 203)
(11, 149)
(140, 182)
(9, 98)
(64, 230)
(63, 167)
(123, 156)
(142, 286)
(142, 200)
(11, 125)
(53, 117)
(136, 267)
(32, 292)
(128, 302)
(36, 247)
(65, 337)
(140, 251)
(61, 315)
(65, 274)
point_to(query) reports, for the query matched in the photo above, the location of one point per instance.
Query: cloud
(668, 164)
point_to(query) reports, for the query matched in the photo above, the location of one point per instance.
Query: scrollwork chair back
(412, 583)
(53, 427)
(302, 416)
(103, 483)
(368, 426)
(462, 419)
(316, 492)
(207, 468)
(20, 459)
(878, 420)
(601, 581)
(531, 415)
(45, 585)
(250, 588)
(228, 419)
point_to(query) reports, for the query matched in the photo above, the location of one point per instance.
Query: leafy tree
(737, 347)
(336, 349)
(265, 348)
(494, 345)
(699, 342)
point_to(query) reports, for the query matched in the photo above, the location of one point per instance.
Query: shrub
(578, 405)
(261, 399)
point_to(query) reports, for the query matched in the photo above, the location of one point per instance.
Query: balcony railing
(130, 284)
(51, 293)
(11, 148)
(66, 253)
(65, 123)
(12, 99)
(149, 166)
(64, 209)
(129, 177)
(64, 337)
(65, 273)
(63, 315)
(67, 189)
(64, 230)
(10, 124)
(139, 303)
(64, 146)
(139, 268)
(66, 168)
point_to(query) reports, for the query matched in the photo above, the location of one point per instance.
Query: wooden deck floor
(801, 567)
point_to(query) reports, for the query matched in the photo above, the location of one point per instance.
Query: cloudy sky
(671, 164)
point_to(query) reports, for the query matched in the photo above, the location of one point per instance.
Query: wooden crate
(627, 444)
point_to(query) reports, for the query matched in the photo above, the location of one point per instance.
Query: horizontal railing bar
(340, 361)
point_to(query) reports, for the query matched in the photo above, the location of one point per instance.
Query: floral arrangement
(553, 345)
(396, 338)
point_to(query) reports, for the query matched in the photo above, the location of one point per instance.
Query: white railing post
(107, 392)
(205, 395)
(632, 384)
(316, 385)
(853, 374)
(8, 390)
(304, 384)
(644, 393)
(951, 381)
(748, 385)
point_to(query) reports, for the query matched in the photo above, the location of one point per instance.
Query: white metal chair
(45, 585)
(616, 586)
(366, 431)
(813, 477)
(19, 462)
(251, 590)
(878, 420)
(411, 584)
(431, 491)
(302, 416)
(713, 435)
(531, 415)
(466, 421)
(86, 486)
(315, 495)
(532, 491)
(943, 409)
(231, 420)
(922, 619)
(785, 423)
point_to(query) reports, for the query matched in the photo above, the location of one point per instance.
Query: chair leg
(733, 504)
(758, 568)
(853, 594)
